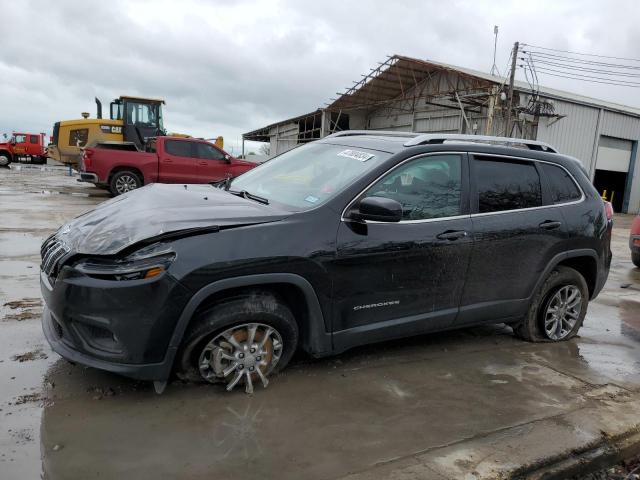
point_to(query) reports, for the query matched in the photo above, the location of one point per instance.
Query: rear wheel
(123, 182)
(635, 258)
(557, 310)
(241, 340)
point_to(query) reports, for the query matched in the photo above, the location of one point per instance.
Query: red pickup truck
(121, 167)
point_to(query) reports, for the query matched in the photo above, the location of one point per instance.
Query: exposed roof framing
(402, 77)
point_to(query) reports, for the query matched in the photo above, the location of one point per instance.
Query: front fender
(317, 341)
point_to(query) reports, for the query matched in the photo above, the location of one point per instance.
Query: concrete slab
(475, 403)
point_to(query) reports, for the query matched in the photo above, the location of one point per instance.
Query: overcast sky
(225, 68)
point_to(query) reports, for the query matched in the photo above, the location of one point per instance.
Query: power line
(584, 69)
(588, 79)
(579, 53)
(551, 56)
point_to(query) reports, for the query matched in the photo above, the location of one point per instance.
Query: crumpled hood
(158, 209)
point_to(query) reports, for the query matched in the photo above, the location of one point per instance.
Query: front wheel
(558, 309)
(5, 160)
(241, 340)
(635, 258)
(123, 182)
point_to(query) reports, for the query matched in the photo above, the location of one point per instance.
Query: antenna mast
(494, 67)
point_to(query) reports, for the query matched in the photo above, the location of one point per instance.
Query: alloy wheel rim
(562, 313)
(126, 183)
(247, 352)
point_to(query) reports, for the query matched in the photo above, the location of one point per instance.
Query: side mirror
(378, 209)
(13, 141)
(227, 157)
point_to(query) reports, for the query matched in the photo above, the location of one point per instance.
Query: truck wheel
(5, 160)
(123, 182)
(241, 340)
(558, 308)
(635, 258)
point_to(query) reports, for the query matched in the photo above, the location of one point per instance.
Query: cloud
(225, 68)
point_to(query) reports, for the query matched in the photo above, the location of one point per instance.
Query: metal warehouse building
(409, 94)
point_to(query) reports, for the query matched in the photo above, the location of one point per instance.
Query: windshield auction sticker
(356, 155)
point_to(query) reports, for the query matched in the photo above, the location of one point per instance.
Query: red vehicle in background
(634, 241)
(25, 147)
(122, 167)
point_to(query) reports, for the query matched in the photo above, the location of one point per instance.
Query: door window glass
(143, 114)
(179, 148)
(562, 187)
(209, 152)
(428, 187)
(20, 138)
(33, 139)
(506, 185)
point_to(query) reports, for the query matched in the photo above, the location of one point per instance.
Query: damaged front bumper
(123, 327)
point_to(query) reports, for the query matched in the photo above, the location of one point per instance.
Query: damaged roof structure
(414, 95)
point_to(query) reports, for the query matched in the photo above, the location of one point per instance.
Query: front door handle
(550, 225)
(452, 235)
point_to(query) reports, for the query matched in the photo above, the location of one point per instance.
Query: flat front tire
(558, 308)
(239, 341)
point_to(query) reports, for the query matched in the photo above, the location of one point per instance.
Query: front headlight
(147, 262)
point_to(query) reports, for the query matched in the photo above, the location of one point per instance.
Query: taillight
(609, 209)
(86, 158)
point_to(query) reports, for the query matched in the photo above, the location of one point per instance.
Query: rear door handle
(550, 225)
(452, 235)
(202, 163)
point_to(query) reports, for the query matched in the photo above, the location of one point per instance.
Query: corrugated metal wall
(574, 134)
(283, 137)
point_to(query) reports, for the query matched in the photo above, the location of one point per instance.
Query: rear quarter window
(562, 187)
(506, 185)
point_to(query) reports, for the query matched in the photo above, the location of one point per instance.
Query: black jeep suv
(356, 238)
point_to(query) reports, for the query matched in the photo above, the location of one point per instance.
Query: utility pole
(512, 76)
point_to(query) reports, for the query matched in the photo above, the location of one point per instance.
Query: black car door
(398, 279)
(516, 233)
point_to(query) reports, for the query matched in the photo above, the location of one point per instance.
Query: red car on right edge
(634, 241)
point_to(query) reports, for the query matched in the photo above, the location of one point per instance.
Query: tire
(202, 340)
(560, 282)
(5, 160)
(124, 181)
(635, 258)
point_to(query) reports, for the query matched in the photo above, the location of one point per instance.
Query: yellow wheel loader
(132, 120)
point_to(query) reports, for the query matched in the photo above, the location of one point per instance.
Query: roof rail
(376, 133)
(427, 138)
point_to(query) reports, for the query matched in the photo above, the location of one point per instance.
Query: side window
(209, 152)
(78, 138)
(561, 186)
(20, 138)
(506, 185)
(428, 187)
(179, 148)
(33, 139)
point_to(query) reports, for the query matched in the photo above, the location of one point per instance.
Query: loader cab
(141, 118)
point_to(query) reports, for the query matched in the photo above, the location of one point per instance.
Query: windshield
(308, 176)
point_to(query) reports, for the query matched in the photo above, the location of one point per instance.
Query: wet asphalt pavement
(475, 403)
